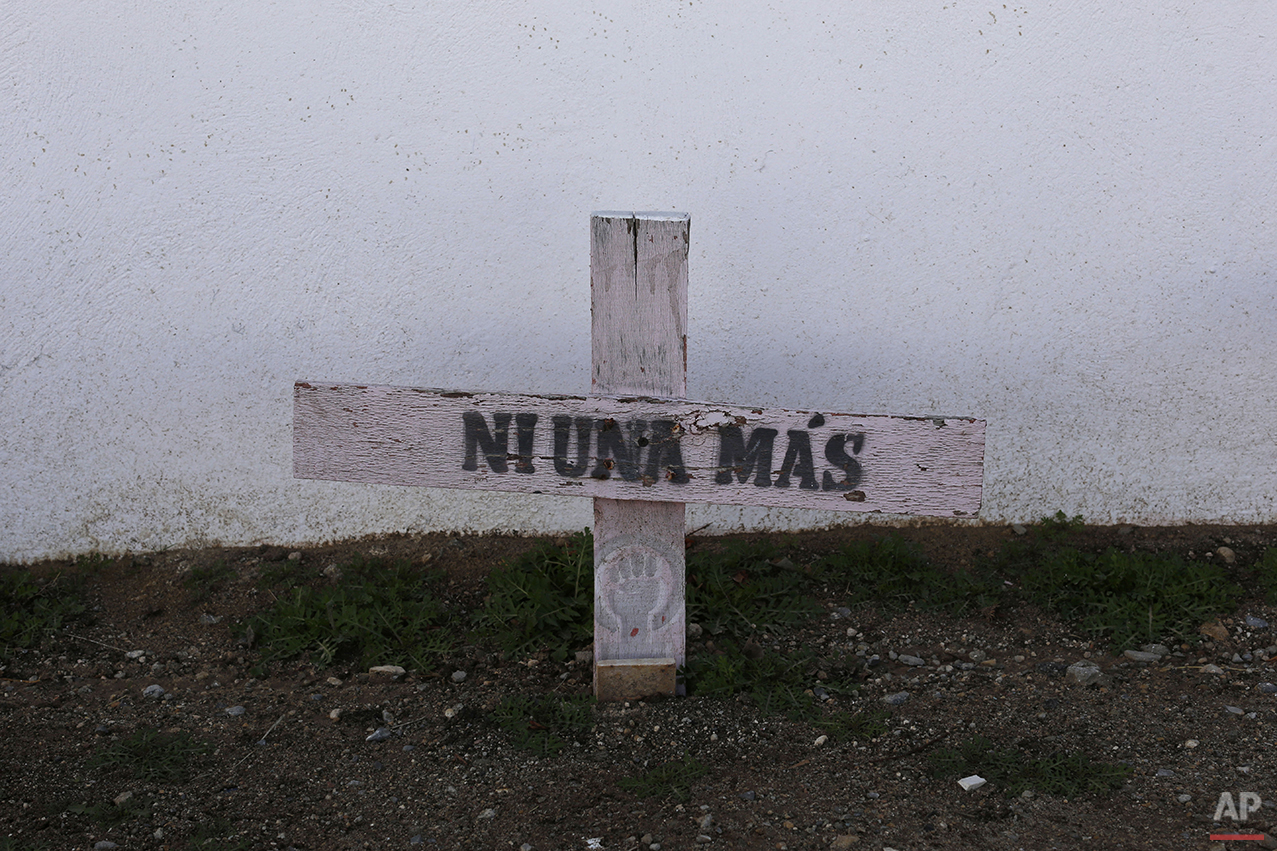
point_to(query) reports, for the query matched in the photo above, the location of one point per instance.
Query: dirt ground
(282, 773)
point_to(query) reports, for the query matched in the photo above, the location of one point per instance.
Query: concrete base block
(634, 679)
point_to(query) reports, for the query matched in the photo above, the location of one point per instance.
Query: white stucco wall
(1058, 216)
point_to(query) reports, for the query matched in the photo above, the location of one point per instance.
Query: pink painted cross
(639, 449)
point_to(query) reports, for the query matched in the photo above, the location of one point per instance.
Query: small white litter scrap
(975, 781)
(594, 843)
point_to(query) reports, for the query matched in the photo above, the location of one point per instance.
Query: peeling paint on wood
(638, 448)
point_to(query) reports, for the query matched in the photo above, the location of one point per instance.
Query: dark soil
(285, 774)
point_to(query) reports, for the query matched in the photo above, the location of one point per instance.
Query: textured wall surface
(1057, 216)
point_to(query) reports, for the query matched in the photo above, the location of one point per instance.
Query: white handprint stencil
(636, 594)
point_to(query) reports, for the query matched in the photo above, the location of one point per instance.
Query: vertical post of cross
(638, 290)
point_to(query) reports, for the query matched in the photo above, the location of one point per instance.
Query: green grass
(152, 756)
(1012, 771)
(279, 573)
(891, 574)
(1122, 598)
(31, 610)
(1266, 574)
(543, 600)
(380, 614)
(672, 779)
(1129, 599)
(544, 725)
(744, 587)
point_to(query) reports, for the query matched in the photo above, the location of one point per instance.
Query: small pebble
(1267, 688)
(896, 699)
(209, 620)
(1227, 554)
(104, 845)
(154, 691)
(1235, 710)
(911, 660)
(1084, 673)
(1256, 623)
(1192, 743)
(489, 813)
(458, 676)
(381, 734)
(235, 711)
(1165, 772)
(1141, 656)
(392, 671)
(1183, 799)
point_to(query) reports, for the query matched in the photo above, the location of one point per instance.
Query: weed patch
(891, 574)
(1130, 598)
(1266, 574)
(543, 600)
(152, 756)
(31, 610)
(380, 614)
(543, 725)
(1011, 771)
(746, 587)
(1126, 599)
(671, 779)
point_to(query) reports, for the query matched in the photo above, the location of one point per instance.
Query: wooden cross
(639, 449)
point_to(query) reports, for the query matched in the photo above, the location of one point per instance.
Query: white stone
(975, 781)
